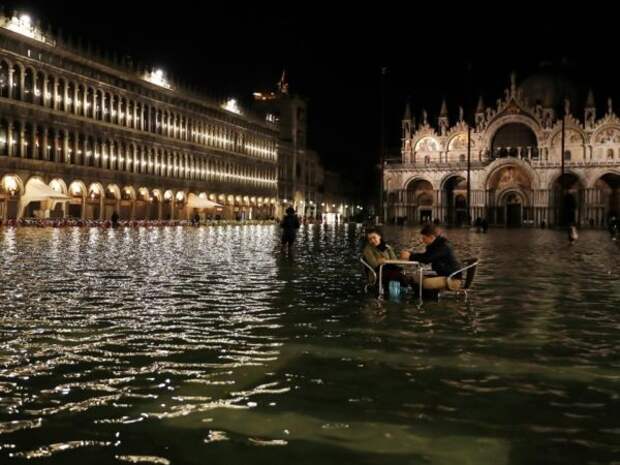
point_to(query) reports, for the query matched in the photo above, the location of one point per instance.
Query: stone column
(102, 206)
(172, 207)
(437, 205)
(10, 89)
(21, 140)
(45, 152)
(76, 93)
(589, 203)
(65, 146)
(9, 138)
(44, 95)
(84, 205)
(65, 93)
(54, 96)
(33, 141)
(84, 102)
(77, 159)
(55, 146)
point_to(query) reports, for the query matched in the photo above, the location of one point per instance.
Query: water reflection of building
(515, 174)
(114, 136)
(301, 175)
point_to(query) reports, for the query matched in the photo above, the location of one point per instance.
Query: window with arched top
(567, 155)
(610, 154)
(4, 79)
(511, 138)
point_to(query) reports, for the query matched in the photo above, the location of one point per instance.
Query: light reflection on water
(179, 345)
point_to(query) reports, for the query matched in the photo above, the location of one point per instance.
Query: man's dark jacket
(441, 257)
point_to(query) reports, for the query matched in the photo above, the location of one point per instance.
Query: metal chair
(471, 265)
(369, 274)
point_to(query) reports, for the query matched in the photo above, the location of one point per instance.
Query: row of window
(59, 145)
(36, 87)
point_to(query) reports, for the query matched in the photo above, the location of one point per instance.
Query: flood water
(208, 345)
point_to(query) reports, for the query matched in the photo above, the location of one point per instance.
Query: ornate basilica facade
(515, 164)
(84, 135)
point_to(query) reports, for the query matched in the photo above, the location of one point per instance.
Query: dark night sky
(334, 57)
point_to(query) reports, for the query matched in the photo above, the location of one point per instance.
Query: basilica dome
(549, 88)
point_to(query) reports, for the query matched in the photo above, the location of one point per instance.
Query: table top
(400, 262)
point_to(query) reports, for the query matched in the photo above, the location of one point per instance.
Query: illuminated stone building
(515, 162)
(84, 135)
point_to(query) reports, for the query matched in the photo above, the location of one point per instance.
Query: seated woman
(376, 252)
(441, 257)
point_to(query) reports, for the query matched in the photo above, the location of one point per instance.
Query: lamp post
(562, 210)
(380, 213)
(470, 122)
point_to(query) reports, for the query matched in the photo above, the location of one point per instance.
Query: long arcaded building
(84, 136)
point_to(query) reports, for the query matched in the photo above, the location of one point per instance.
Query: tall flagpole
(469, 174)
(562, 211)
(471, 120)
(380, 212)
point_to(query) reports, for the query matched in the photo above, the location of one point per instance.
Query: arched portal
(93, 202)
(11, 191)
(454, 195)
(156, 205)
(509, 190)
(512, 203)
(608, 192)
(77, 192)
(420, 201)
(168, 205)
(128, 196)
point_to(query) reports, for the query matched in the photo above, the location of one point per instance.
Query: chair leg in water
(431, 294)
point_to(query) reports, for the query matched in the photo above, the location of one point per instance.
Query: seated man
(441, 257)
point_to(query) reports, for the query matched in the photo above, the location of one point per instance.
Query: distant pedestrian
(573, 235)
(115, 217)
(612, 226)
(478, 224)
(289, 224)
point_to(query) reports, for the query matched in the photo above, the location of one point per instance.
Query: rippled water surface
(196, 346)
